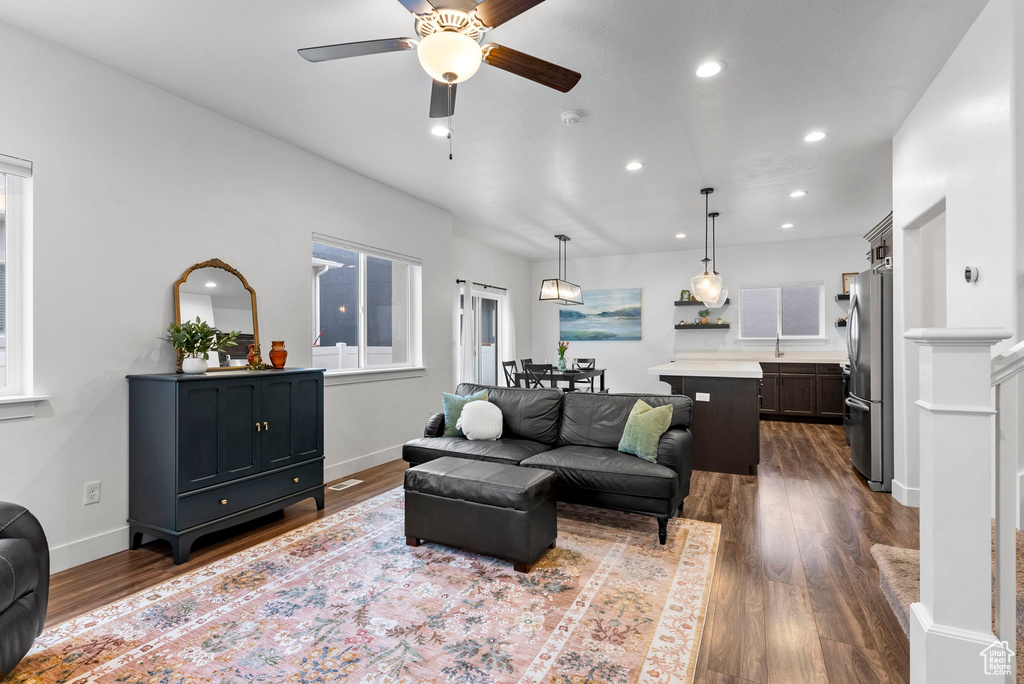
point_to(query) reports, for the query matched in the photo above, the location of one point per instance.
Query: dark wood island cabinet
(802, 390)
(210, 451)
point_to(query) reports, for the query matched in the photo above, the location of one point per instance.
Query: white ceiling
(853, 68)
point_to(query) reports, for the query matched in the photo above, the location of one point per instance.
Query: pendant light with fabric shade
(706, 286)
(724, 293)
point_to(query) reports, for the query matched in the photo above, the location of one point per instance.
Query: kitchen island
(726, 406)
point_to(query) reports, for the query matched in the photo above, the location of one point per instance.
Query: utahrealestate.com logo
(998, 658)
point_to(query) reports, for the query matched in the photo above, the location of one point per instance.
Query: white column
(953, 622)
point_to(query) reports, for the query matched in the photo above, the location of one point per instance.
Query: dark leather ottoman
(489, 508)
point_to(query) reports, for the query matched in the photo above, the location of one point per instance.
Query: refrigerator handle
(850, 333)
(855, 403)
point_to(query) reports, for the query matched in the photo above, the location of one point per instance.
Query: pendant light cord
(450, 157)
(714, 266)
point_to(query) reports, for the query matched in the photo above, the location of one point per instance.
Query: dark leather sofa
(24, 583)
(576, 435)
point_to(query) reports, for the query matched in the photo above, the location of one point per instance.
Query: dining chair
(525, 363)
(585, 364)
(537, 374)
(510, 373)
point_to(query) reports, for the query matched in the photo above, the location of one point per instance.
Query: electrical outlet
(703, 396)
(92, 493)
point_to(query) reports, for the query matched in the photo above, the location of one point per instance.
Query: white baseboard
(336, 471)
(940, 654)
(89, 549)
(908, 496)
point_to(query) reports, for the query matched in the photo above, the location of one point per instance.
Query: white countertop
(766, 356)
(709, 368)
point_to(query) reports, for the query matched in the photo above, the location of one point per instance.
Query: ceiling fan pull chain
(450, 121)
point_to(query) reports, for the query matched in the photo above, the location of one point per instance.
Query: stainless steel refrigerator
(869, 343)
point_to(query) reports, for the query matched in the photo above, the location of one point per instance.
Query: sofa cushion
(597, 420)
(606, 470)
(526, 413)
(493, 484)
(510, 451)
(453, 405)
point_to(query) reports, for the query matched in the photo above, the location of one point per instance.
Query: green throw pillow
(644, 429)
(453, 404)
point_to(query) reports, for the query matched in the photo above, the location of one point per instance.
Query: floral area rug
(344, 599)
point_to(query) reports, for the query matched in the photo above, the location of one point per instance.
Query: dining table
(570, 375)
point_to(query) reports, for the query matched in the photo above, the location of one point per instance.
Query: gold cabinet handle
(265, 426)
(223, 502)
(295, 479)
(257, 427)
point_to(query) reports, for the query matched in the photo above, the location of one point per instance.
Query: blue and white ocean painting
(606, 315)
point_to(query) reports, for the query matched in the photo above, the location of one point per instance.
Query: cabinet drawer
(830, 369)
(216, 502)
(769, 368)
(799, 368)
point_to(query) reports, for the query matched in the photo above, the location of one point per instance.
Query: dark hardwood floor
(795, 596)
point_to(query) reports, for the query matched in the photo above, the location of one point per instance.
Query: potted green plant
(196, 340)
(704, 313)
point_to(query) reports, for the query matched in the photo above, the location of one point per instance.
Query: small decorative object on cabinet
(562, 348)
(253, 353)
(704, 313)
(278, 354)
(206, 452)
(195, 341)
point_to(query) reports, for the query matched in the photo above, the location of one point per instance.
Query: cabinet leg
(136, 540)
(182, 547)
(662, 530)
(319, 497)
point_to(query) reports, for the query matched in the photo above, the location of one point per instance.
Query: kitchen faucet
(777, 352)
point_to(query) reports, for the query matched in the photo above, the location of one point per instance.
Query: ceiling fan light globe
(449, 53)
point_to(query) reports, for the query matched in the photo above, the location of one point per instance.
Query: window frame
(821, 336)
(18, 296)
(413, 317)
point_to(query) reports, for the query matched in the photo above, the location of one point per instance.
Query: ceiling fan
(450, 51)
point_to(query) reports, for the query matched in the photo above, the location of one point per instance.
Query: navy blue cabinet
(210, 451)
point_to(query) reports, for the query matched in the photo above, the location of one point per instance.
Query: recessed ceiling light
(787, 225)
(814, 136)
(634, 166)
(211, 284)
(797, 193)
(440, 131)
(680, 235)
(709, 69)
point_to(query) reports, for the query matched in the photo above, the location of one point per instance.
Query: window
(366, 307)
(14, 375)
(790, 312)
(485, 338)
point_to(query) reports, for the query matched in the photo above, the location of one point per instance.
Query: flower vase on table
(562, 348)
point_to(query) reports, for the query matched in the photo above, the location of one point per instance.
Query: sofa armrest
(435, 426)
(675, 451)
(16, 522)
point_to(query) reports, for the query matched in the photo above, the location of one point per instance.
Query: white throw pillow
(480, 420)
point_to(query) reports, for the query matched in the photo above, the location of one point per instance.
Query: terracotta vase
(278, 354)
(252, 354)
(703, 320)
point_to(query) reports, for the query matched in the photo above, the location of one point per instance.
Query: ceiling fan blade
(325, 53)
(527, 66)
(496, 12)
(417, 6)
(439, 100)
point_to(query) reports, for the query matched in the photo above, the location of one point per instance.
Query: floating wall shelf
(697, 326)
(842, 297)
(700, 303)
(840, 324)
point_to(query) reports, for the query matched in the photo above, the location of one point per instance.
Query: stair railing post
(952, 624)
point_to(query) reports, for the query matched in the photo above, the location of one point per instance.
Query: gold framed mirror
(216, 293)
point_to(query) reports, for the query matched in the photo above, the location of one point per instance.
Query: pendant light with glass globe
(723, 294)
(706, 286)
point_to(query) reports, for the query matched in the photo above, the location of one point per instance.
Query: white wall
(664, 274)
(958, 154)
(473, 261)
(132, 186)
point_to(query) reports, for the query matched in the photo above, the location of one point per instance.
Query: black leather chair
(24, 583)
(576, 436)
